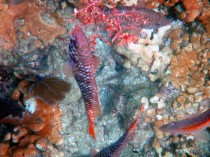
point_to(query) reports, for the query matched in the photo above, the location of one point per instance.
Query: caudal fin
(92, 130)
(133, 125)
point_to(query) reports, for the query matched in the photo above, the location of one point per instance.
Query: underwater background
(152, 53)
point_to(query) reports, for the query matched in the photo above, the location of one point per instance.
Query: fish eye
(71, 45)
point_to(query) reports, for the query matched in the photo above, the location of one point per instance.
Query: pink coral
(122, 24)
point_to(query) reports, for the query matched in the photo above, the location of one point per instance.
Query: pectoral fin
(96, 62)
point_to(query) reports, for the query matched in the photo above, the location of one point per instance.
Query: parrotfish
(83, 64)
(189, 125)
(115, 149)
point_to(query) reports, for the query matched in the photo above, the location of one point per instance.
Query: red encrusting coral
(38, 125)
(32, 24)
(43, 124)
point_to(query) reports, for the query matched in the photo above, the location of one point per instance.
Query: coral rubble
(146, 54)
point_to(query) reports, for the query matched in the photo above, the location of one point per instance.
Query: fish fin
(93, 152)
(201, 135)
(190, 116)
(96, 61)
(133, 125)
(67, 69)
(92, 130)
(97, 109)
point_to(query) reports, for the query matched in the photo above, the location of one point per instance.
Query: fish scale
(114, 150)
(81, 61)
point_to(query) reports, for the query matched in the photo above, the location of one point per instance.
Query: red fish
(82, 62)
(115, 149)
(188, 125)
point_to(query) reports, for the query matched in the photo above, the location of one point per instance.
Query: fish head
(153, 20)
(160, 21)
(78, 40)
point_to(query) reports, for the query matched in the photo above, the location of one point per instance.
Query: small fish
(82, 63)
(189, 125)
(115, 149)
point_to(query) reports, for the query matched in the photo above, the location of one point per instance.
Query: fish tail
(133, 125)
(92, 130)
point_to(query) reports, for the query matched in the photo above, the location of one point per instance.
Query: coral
(192, 10)
(30, 22)
(189, 66)
(187, 10)
(28, 145)
(117, 21)
(179, 68)
(3, 148)
(159, 101)
(154, 3)
(187, 85)
(129, 2)
(205, 15)
(147, 54)
(37, 125)
(44, 124)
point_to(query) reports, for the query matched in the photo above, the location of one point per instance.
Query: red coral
(122, 24)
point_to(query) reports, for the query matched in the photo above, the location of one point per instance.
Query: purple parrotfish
(115, 149)
(189, 125)
(83, 64)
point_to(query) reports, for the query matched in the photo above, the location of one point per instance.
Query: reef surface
(165, 69)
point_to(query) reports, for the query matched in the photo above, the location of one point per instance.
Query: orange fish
(188, 125)
(83, 64)
(115, 149)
